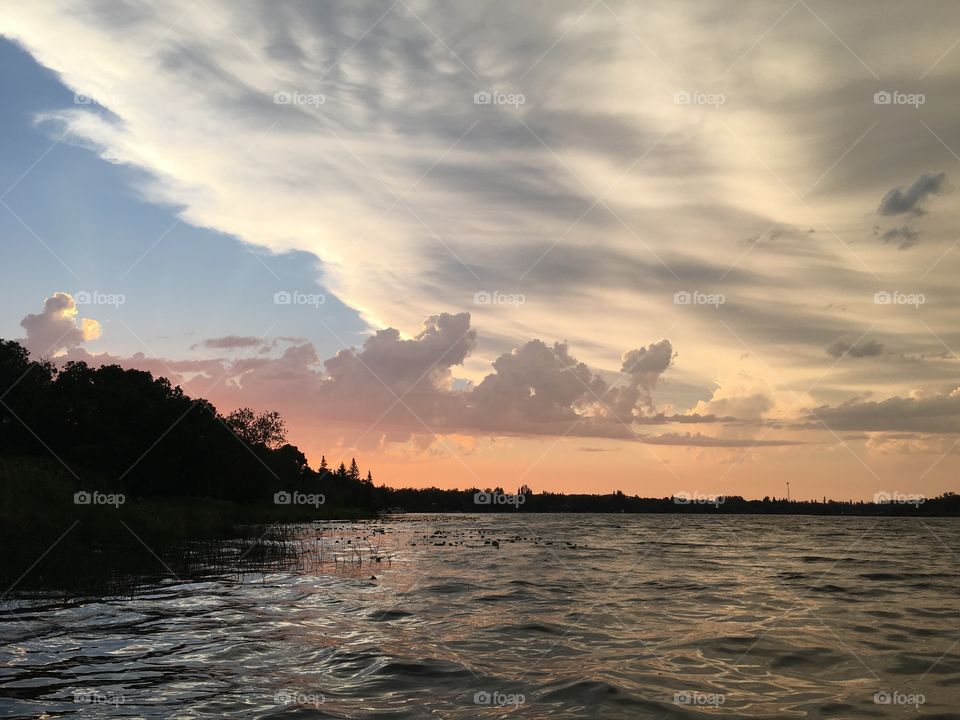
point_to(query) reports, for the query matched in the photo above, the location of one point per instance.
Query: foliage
(120, 430)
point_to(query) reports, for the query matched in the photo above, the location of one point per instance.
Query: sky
(584, 246)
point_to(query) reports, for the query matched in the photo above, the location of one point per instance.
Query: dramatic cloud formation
(605, 210)
(58, 328)
(597, 198)
(900, 201)
(644, 367)
(418, 365)
(393, 387)
(534, 389)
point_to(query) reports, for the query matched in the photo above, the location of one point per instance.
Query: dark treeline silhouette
(525, 500)
(125, 431)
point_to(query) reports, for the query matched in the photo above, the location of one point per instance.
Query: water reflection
(526, 616)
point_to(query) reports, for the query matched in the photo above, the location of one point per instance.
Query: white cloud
(57, 328)
(415, 198)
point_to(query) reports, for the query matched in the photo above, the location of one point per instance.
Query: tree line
(497, 500)
(126, 431)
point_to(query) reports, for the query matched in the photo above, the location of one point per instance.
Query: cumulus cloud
(420, 365)
(57, 328)
(535, 384)
(392, 389)
(644, 367)
(746, 406)
(868, 348)
(911, 200)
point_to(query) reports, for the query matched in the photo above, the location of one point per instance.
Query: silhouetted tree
(265, 429)
(147, 438)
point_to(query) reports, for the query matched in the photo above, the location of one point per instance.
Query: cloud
(900, 201)
(489, 192)
(499, 185)
(386, 361)
(536, 385)
(58, 328)
(904, 237)
(230, 342)
(921, 412)
(842, 348)
(746, 406)
(393, 388)
(911, 444)
(700, 440)
(644, 367)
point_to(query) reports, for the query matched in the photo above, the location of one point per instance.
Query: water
(523, 616)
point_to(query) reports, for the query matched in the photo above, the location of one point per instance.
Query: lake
(521, 616)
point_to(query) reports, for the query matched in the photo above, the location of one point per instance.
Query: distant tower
(788, 491)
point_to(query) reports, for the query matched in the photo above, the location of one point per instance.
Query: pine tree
(323, 463)
(354, 470)
(369, 479)
(342, 471)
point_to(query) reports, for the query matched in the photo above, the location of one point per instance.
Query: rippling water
(526, 616)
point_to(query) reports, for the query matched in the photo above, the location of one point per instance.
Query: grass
(52, 542)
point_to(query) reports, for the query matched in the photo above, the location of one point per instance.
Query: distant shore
(887, 504)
